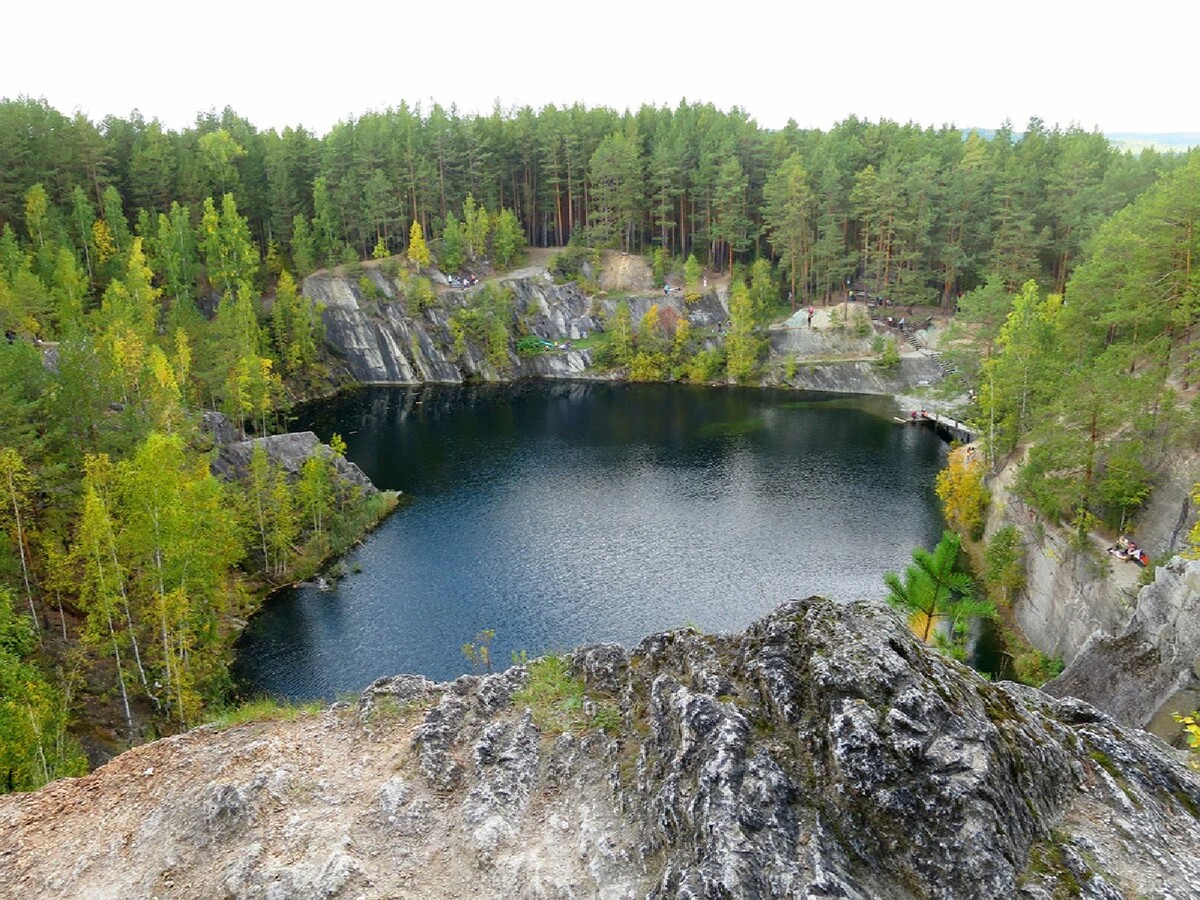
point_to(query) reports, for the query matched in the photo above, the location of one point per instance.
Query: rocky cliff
(1069, 593)
(1150, 669)
(1132, 650)
(380, 342)
(824, 752)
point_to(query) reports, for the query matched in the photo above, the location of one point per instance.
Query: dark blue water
(567, 513)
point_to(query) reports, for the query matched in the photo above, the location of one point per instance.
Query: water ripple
(569, 513)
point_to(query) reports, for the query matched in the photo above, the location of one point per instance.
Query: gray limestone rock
(1133, 674)
(289, 451)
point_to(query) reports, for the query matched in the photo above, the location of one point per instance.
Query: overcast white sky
(1126, 68)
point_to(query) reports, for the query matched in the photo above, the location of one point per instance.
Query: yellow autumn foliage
(964, 498)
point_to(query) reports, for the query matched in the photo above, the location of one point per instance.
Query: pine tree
(508, 238)
(452, 245)
(788, 214)
(303, 256)
(933, 593)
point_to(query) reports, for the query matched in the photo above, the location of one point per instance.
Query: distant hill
(1179, 140)
(1168, 141)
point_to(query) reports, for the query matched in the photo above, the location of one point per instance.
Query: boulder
(289, 452)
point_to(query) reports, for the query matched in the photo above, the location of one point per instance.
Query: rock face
(1069, 595)
(822, 753)
(1152, 667)
(383, 345)
(288, 451)
(379, 342)
(857, 377)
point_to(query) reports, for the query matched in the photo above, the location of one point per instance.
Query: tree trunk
(12, 492)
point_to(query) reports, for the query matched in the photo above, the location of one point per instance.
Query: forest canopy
(922, 213)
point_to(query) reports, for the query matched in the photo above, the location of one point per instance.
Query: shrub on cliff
(963, 495)
(574, 262)
(889, 356)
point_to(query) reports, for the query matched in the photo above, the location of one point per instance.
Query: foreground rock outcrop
(821, 753)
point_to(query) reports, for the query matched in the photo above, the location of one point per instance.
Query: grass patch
(385, 709)
(1030, 665)
(556, 700)
(1046, 864)
(596, 339)
(264, 709)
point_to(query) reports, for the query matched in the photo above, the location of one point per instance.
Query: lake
(563, 513)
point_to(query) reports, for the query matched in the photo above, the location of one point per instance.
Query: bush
(1033, 667)
(531, 345)
(570, 263)
(648, 367)
(862, 325)
(486, 323)
(691, 279)
(420, 294)
(1004, 566)
(889, 358)
(1191, 732)
(558, 701)
(964, 498)
(707, 365)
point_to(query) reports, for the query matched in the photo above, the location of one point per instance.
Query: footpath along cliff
(823, 752)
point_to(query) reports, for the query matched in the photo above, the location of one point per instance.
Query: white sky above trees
(1126, 68)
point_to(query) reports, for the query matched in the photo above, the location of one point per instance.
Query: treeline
(1099, 383)
(918, 213)
(127, 563)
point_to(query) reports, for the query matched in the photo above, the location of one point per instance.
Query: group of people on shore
(1127, 550)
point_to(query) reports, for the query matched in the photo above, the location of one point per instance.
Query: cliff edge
(823, 752)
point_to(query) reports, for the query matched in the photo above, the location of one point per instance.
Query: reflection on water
(567, 513)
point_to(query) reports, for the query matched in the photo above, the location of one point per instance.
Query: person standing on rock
(810, 315)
